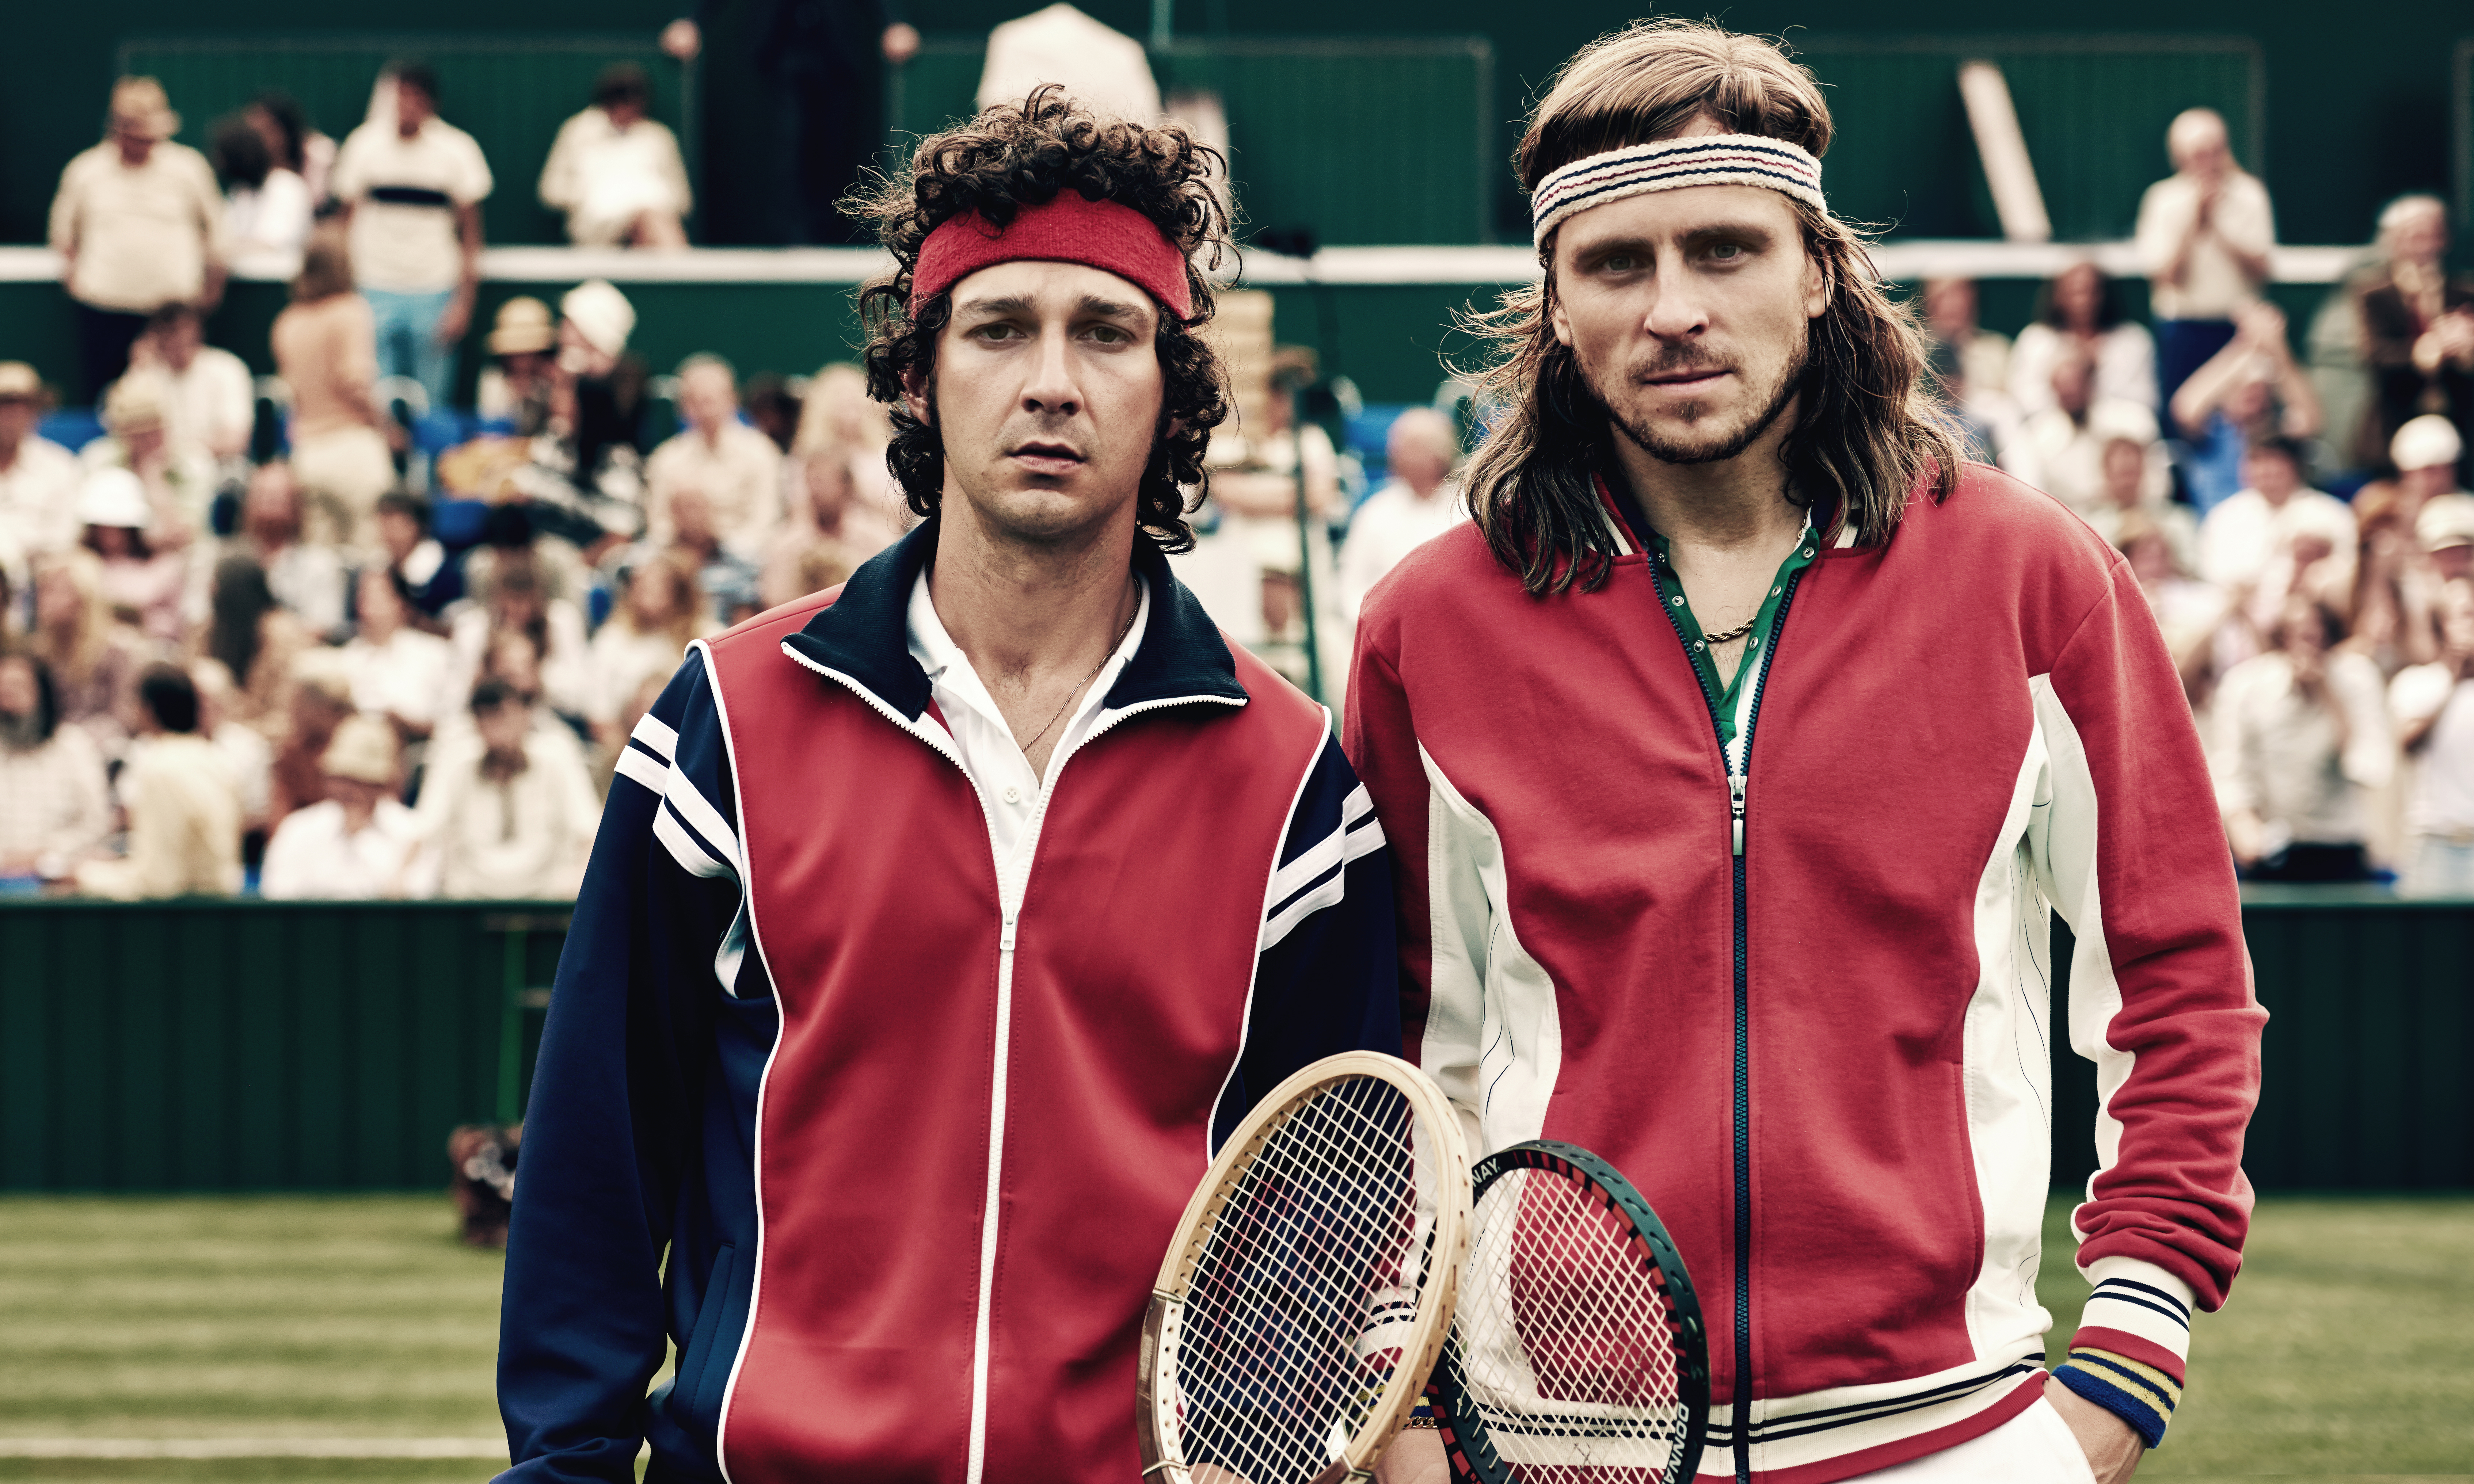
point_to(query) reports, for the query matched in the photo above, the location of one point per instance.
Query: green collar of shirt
(1730, 698)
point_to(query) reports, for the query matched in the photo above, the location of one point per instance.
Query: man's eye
(997, 332)
(1620, 263)
(1109, 334)
(1727, 252)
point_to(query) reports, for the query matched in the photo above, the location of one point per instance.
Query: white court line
(494, 1449)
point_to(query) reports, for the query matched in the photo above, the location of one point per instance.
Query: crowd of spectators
(2314, 582)
(318, 663)
(332, 665)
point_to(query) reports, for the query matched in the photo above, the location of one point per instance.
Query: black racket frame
(1473, 1458)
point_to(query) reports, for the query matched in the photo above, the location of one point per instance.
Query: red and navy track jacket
(1822, 1055)
(890, 1164)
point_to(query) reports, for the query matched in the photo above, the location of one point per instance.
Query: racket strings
(1279, 1360)
(1565, 1337)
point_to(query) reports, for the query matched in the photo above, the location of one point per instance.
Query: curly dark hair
(1021, 156)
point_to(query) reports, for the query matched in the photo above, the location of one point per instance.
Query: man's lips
(1690, 379)
(1047, 458)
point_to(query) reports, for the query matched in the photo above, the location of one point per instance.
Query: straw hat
(364, 751)
(600, 314)
(2444, 522)
(2424, 442)
(134, 403)
(138, 106)
(114, 497)
(523, 327)
(19, 383)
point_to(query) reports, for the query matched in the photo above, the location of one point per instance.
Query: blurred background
(387, 399)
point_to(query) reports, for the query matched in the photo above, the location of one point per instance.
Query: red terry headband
(1102, 234)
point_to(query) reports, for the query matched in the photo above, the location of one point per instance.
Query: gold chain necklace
(1086, 682)
(1713, 640)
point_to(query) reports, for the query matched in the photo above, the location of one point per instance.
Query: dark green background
(2356, 103)
(211, 1045)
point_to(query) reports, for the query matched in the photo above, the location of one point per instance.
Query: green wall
(219, 1045)
(2356, 111)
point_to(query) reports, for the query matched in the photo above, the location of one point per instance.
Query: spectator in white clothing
(54, 806)
(2433, 709)
(2205, 234)
(412, 188)
(510, 818)
(2302, 737)
(2060, 450)
(2240, 537)
(209, 399)
(1417, 504)
(284, 124)
(1973, 364)
(2133, 477)
(649, 634)
(2080, 310)
(38, 478)
(615, 172)
(267, 211)
(396, 670)
(734, 467)
(359, 843)
(183, 803)
(517, 599)
(138, 222)
(305, 576)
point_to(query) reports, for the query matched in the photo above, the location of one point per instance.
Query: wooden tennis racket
(1577, 1356)
(1309, 1286)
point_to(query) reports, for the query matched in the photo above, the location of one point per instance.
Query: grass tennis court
(2348, 1354)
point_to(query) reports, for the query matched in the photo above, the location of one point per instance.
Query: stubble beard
(1718, 446)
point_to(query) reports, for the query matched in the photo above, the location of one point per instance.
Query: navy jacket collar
(865, 637)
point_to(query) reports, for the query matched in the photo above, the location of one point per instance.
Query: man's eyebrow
(1109, 308)
(1011, 303)
(1753, 231)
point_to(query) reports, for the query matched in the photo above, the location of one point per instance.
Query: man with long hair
(1734, 758)
(941, 923)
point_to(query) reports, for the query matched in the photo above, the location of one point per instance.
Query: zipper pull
(1004, 940)
(1735, 804)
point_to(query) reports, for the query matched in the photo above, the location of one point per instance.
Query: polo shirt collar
(864, 637)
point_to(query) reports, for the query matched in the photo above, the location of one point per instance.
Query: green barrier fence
(217, 1045)
(220, 1045)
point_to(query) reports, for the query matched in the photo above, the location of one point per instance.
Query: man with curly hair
(1737, 758)
(942, 922)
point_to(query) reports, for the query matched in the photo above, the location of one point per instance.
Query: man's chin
(1046, 513)
(1692, 435)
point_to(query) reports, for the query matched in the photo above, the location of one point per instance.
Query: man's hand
(2112, 1446)
(454, 320)
(1415, 1457)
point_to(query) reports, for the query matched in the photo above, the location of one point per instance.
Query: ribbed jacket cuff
(2142, 1396)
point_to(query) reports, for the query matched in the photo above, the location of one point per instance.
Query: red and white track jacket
(887, 1148)
(1823, 1057)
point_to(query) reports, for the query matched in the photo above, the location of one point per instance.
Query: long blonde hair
(73, 656)
(1870, 428)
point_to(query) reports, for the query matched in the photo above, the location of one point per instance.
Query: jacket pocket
(699, 1379)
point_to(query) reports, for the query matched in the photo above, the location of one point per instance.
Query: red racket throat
(1577, 1354)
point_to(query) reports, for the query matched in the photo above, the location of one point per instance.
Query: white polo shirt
(404, 194)
(992, 757)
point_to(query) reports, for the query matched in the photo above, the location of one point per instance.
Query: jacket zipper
(1739, 776)
(1009, 898)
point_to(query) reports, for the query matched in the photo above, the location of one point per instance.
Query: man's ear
(916, 398)
(1819, 285)
(1556, 318)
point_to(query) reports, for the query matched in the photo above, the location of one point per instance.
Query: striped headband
(1671, 164)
